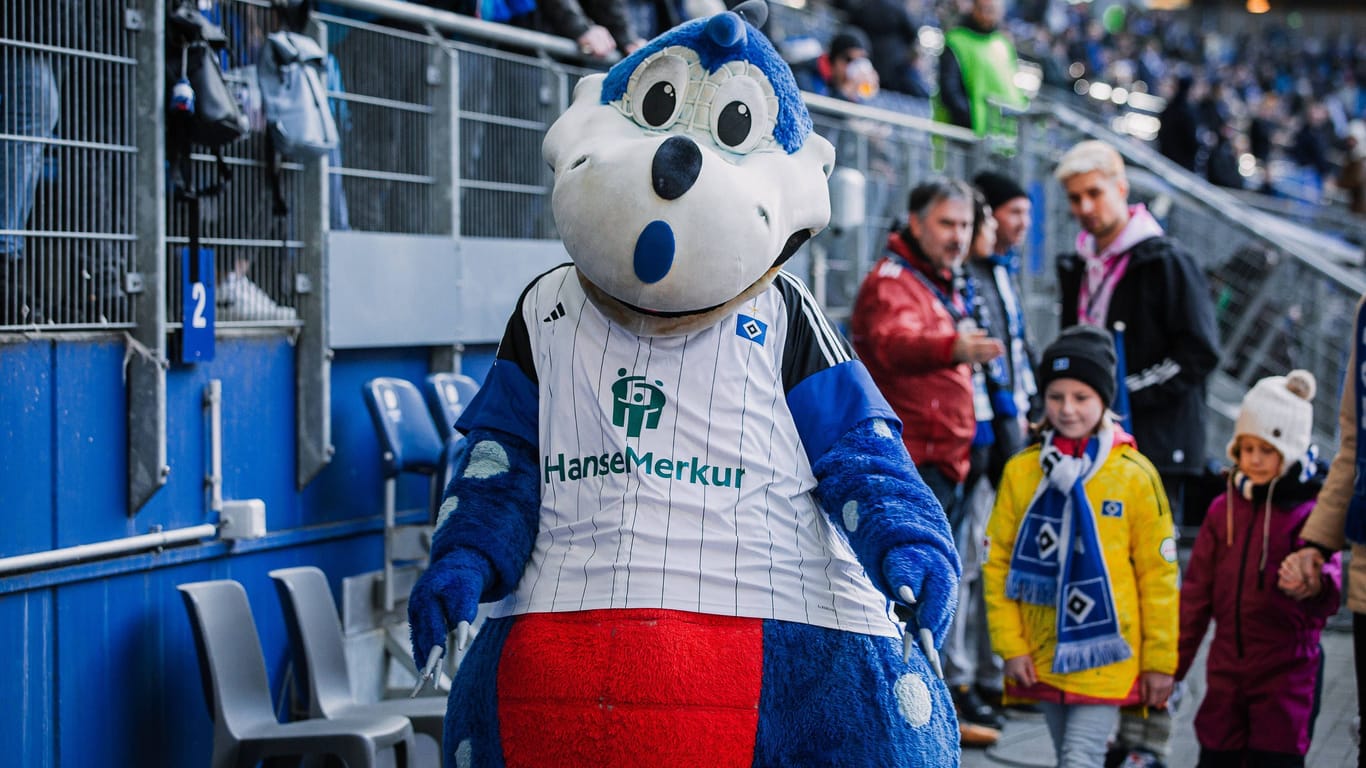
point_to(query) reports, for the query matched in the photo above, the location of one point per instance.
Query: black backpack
(203, 110)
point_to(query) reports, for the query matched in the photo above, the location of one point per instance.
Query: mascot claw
(429, 672)
(924, 635)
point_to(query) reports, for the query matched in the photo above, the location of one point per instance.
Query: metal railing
(894, 152)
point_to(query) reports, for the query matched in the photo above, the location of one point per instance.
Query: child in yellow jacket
(1081, 573)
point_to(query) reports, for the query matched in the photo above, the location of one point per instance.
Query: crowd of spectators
(1238, 102)
(1272, 108)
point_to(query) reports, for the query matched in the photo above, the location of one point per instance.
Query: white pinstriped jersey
(672, 473)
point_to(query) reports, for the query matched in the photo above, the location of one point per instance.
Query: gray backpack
(290, 75)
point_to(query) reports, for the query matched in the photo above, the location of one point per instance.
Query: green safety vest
(987, 62)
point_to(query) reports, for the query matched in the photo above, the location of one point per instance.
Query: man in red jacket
(913, 328)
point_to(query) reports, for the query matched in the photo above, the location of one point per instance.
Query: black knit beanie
(1085, 353)
(998, 188)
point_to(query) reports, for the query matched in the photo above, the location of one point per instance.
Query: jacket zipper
(1238, 594)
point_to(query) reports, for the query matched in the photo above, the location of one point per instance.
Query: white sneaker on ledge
(239, 299)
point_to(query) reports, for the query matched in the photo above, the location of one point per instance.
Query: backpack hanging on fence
(203, 109)
(290, 74)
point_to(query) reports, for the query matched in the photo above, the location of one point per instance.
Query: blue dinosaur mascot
(687, 499)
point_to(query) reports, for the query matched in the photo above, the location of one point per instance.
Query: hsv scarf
(1356, 512)
(1058, 559)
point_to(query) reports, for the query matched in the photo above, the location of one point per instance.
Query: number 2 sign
(197, 303)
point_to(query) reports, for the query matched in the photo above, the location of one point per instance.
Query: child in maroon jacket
(1264, 661)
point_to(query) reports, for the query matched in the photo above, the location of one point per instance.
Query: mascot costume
(687, 499)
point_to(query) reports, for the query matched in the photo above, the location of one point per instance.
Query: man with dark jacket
(1126, 270)
(1127, 276)
(912, 326)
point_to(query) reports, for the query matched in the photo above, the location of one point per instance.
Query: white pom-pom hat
(1279, 410)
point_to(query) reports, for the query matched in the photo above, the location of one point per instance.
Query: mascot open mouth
(654, 235)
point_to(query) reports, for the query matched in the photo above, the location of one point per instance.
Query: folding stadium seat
(315, 634)
(409, 442)
(237, 691)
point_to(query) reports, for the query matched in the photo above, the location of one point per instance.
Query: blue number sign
(196, 314)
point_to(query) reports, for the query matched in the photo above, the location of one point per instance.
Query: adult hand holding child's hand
(1301, 573)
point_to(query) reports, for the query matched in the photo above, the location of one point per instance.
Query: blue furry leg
(834, 698)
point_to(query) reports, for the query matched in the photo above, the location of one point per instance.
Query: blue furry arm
(871, 489)
(484, 535)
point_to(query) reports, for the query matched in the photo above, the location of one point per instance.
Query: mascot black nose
(675, 168)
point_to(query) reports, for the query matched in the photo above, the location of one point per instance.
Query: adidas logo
(555, 314)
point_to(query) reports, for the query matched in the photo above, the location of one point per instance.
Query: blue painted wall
(97, 660)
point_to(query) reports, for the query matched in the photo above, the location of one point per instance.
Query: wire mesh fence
(381, 91)
(255, 247)
(67, 193)
(893, 154)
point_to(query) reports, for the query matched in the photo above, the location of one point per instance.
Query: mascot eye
(657, 91)
(659, 104)
(740, 114)
(733, 125)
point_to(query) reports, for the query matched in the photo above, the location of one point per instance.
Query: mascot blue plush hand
(691, 506)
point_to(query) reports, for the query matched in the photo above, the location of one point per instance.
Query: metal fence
(66, 180)
(893, 152)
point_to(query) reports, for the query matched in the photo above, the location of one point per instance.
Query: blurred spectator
(977, 73)
(1262, 128)
(1212, 110)
(600, 27)
(1170, 346)
(28, 108)
(1352, 180)
(1179, 136)
(1222, 166)
(1001, 223)
(1310, 150)
(891, 34)
(844, 71)
(52, 100)
(912, 325)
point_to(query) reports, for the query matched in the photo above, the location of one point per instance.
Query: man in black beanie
(1001, 302)
(972, 671)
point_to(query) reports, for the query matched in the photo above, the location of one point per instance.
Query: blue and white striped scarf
(1058, 560)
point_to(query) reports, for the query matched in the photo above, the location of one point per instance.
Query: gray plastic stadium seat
(237, 692)
(315, 633)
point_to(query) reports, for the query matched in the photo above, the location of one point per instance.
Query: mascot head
(687, 174)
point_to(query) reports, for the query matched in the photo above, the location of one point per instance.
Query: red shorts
(676, 689)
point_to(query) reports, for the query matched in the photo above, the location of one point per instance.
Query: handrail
(55, 558)
(466, 25)
(840, 107)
